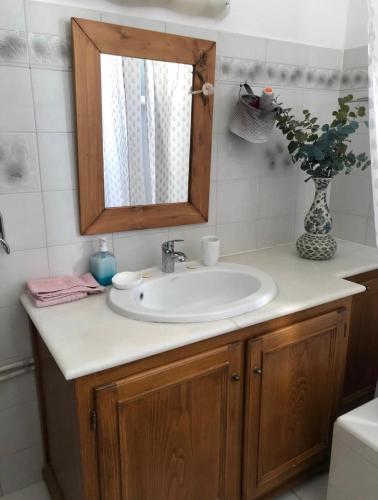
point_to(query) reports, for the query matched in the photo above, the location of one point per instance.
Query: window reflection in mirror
(146, 124)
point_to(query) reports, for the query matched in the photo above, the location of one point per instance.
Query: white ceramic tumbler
(210, 250)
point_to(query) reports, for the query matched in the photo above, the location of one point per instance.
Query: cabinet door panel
(362, 360)
(295, 382)
(173, 433)
(292, 402)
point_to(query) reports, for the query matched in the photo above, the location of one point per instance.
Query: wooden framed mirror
(144, 140)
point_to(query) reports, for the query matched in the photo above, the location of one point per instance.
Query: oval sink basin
(195, 295)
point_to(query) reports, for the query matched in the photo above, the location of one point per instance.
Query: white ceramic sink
(195, 295)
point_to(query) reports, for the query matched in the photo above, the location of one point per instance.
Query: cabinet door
(173, 433)
(361, 371)
(294, 381)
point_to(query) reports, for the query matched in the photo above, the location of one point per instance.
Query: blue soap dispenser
(103, 264)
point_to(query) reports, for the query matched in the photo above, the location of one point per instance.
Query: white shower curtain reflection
(373, 101)
(146, 109)
(114, 124)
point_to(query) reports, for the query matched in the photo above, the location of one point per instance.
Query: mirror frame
(90, 40)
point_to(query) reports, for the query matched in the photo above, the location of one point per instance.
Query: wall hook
(3, 241)
(207, 89)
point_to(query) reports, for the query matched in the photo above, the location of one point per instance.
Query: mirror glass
(146, 127)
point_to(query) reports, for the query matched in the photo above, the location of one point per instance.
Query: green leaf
(292, 147)
(361, 111)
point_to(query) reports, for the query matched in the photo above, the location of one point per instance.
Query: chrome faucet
(169, 256)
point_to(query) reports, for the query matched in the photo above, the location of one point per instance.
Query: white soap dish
(126, 280)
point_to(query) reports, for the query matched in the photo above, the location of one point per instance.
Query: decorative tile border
(13, 47)
(354, 79)
(239, 70)
(50, 50)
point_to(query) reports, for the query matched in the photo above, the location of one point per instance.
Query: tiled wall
(352, 198)
(257, 197)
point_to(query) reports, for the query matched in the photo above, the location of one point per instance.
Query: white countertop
(85, 337)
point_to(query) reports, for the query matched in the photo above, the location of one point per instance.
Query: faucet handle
(169, 246)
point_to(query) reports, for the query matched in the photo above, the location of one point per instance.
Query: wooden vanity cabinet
(361, 372)
(294, 379)
(235, 417)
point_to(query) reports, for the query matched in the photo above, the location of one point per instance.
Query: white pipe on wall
(15, 369)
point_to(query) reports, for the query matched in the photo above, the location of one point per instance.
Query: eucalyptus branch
(322, 151)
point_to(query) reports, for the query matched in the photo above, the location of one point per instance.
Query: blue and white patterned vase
(317, 243)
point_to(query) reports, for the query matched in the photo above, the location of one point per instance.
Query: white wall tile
(278, 196)
(23, 220)
(16, 102)
(192, 31)
(43, 17)
(321, 57)
(370, 238)
(241, 46)
(214, 157)
(237, 237)
(133, 22)
(72, 259)
(278, 51)
(290, 98)
(321, 103)
(275, 230)
(16, 269)
(226, 97)
(237, 200)
(239, 159)
(19, 428)
(57, 159)
(356, 57)
(53, 98)
(62, 217)
(138, 252)
(352, 194)
(12, 16)
(19, 170)
(349, 226)
(14, 334)
(21, 469)
(17, 390)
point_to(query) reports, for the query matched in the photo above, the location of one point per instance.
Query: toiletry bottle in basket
(266, 99)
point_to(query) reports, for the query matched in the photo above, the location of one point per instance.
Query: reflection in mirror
(146, 125)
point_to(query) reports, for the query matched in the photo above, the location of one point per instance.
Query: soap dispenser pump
(103, 264)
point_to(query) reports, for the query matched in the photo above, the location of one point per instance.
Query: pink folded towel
(58, 300)
(52, 291)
